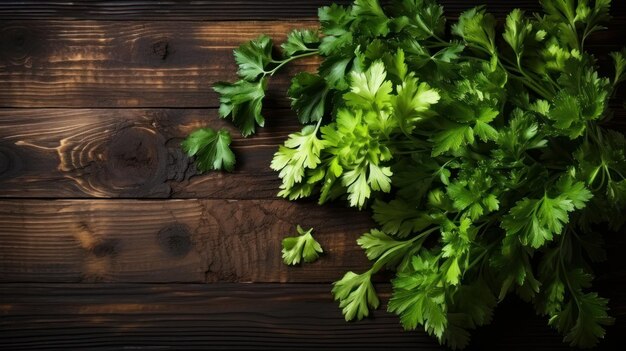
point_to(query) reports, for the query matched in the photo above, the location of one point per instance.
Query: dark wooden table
(108, 237)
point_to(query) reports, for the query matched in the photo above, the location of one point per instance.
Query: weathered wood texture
(147, 64)
(227, 316)
(219, 9)
(94, 99)
(129, 153)
(127, 64)
(171, 241)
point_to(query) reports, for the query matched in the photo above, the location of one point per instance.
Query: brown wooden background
(109, 238)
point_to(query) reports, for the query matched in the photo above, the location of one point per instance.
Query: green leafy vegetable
(308, 93)
(253, 57)
(211, 148)
(300, 41)
(301, 248)
(356, 295)
(482, 151)
(242, 101)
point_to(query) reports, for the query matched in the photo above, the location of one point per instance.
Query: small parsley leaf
(301, 248)
(356, 295)
(308, 93)
(242, 101)
(253, 57)
(211, 149)
(299, 41)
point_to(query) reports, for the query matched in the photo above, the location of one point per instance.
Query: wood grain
(130, 153)
(172, 241)
(128, 64)
(147, 64)
(212, 9)
(236, 316)
(94, 99)
(164, 10)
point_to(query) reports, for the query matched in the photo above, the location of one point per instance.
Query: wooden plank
(225, 9)
(214, 9)
(164, 10)
(59, 63)
(236, 316)
(130, 153)
(128, 64)
(135, 153)
(172, 241)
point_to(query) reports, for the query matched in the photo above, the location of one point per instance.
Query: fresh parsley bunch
(481, 150)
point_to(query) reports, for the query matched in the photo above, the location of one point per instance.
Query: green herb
(301, 248)
(484, 156)
(211, 148)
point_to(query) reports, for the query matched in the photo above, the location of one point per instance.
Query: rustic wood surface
(229, 316)
(212, 9)
(129, 153)
(109, 238)
(171, 241)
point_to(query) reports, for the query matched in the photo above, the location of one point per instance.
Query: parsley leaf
(335, 21)
(370, 18)
(356, 295)
(308, 93)
(242, 101)
(301, 151)
(412, 104)
(299, 41)
(452, 139)
(619, 59)
(517, 30)
(538, 220)
(400, 218)
(301, 248)
(418, 297)
(476, 26)
(370, 89)
(253, 57)
(211, 148)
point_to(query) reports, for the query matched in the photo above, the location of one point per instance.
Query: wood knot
(17, 45)
(10, 161)
(161, 49)
(5, 162)
(107, 247)
(175, 240)
(131, 157)
(135, 161)
(127, 159)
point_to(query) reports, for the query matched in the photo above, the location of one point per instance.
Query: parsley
(211, 148)
(480, 149)
(301, 248)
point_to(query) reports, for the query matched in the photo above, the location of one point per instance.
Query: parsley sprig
(481, 150)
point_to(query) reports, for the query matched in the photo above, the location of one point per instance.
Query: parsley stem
(525, 78)
(317, 127)
(564, 270)
(479, 257)
(533, 86)
(593, 175)
(287, 60)
(382, 260)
